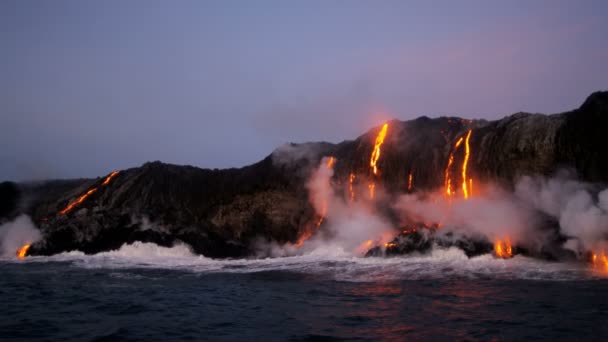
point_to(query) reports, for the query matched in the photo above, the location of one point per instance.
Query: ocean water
(145, 292)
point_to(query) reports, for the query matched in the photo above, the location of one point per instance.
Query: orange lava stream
(22, 252)
(87, 194)
(464, 165)
(77, 202)
(309, 230)
(448, 179)
(109, 178)
(600, 259)
(351, 179)
(376, 151)
(503, 249)
(372, 188)
(410, 181)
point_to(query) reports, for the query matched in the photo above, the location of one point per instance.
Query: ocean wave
(334, 263)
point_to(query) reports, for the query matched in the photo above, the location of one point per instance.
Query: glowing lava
(309, 230)
(22, 252)
(83, 197)
(77, 202)
(372, 189)
(467, 183)
(503, 249)
(410, 181)
(329, 164)
(467, 152)
(600, 259)
(109, 178)
(376, 152)
(448, 179)
(351, 179)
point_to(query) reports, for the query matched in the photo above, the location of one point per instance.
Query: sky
(88, 87)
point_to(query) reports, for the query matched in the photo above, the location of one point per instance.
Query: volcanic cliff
(219, 213)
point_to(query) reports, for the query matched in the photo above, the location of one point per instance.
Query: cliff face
(220, 212)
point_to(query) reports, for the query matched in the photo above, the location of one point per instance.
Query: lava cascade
(86, 195)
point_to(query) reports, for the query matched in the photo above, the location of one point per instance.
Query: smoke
(288, 154)
(344, 226)
(539, 215)
(17, 233)
(582, 213)
(495, 214)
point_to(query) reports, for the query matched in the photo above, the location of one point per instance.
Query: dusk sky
(87, 87)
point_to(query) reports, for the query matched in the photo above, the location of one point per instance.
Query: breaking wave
(333, 263)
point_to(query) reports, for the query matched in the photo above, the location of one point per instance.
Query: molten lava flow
(410, 181)
(77, 202)
(600, 259)
(503, 249)
(376, 151)
(372, 188)
(109, 178)
(351, 179)
(22, 252)
(329, 164)
(310, 229)
(88, 193)
(448, 179)
(464, 165)
(471, 186)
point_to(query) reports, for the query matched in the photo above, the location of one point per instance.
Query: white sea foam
(333, 263)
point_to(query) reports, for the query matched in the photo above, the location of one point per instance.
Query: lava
(410, 181)
(503, 249)
(22, 252)
(376, 152)
(465, 190)
(372, 188)
(83, 197)
(109, 178)
(329, 164)
(448, 179)
(351, 179)
(77, 202)
(310, 230)
(600, 259)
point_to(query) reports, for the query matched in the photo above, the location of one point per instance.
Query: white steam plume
(17, 233)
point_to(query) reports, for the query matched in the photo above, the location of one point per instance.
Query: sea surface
(145, 292)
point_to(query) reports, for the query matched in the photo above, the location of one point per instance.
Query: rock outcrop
(220, 212)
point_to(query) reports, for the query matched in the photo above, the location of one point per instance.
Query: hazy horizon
(90, 87)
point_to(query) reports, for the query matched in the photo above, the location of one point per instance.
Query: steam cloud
(16, 234)
(578, 208)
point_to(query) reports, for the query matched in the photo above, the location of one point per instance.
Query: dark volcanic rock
(220, 212)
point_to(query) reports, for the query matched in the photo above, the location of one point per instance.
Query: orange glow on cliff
(600, 259)
(83, 197)
(376, 152)
(109, 178)
(448, 179)
(351, 179)
(77, 202)
(410, 181)
(503, 249)
(467, 152)
(372, 188)
(22, 252)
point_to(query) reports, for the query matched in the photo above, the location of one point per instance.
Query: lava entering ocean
(503, 249)
(22, 251)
